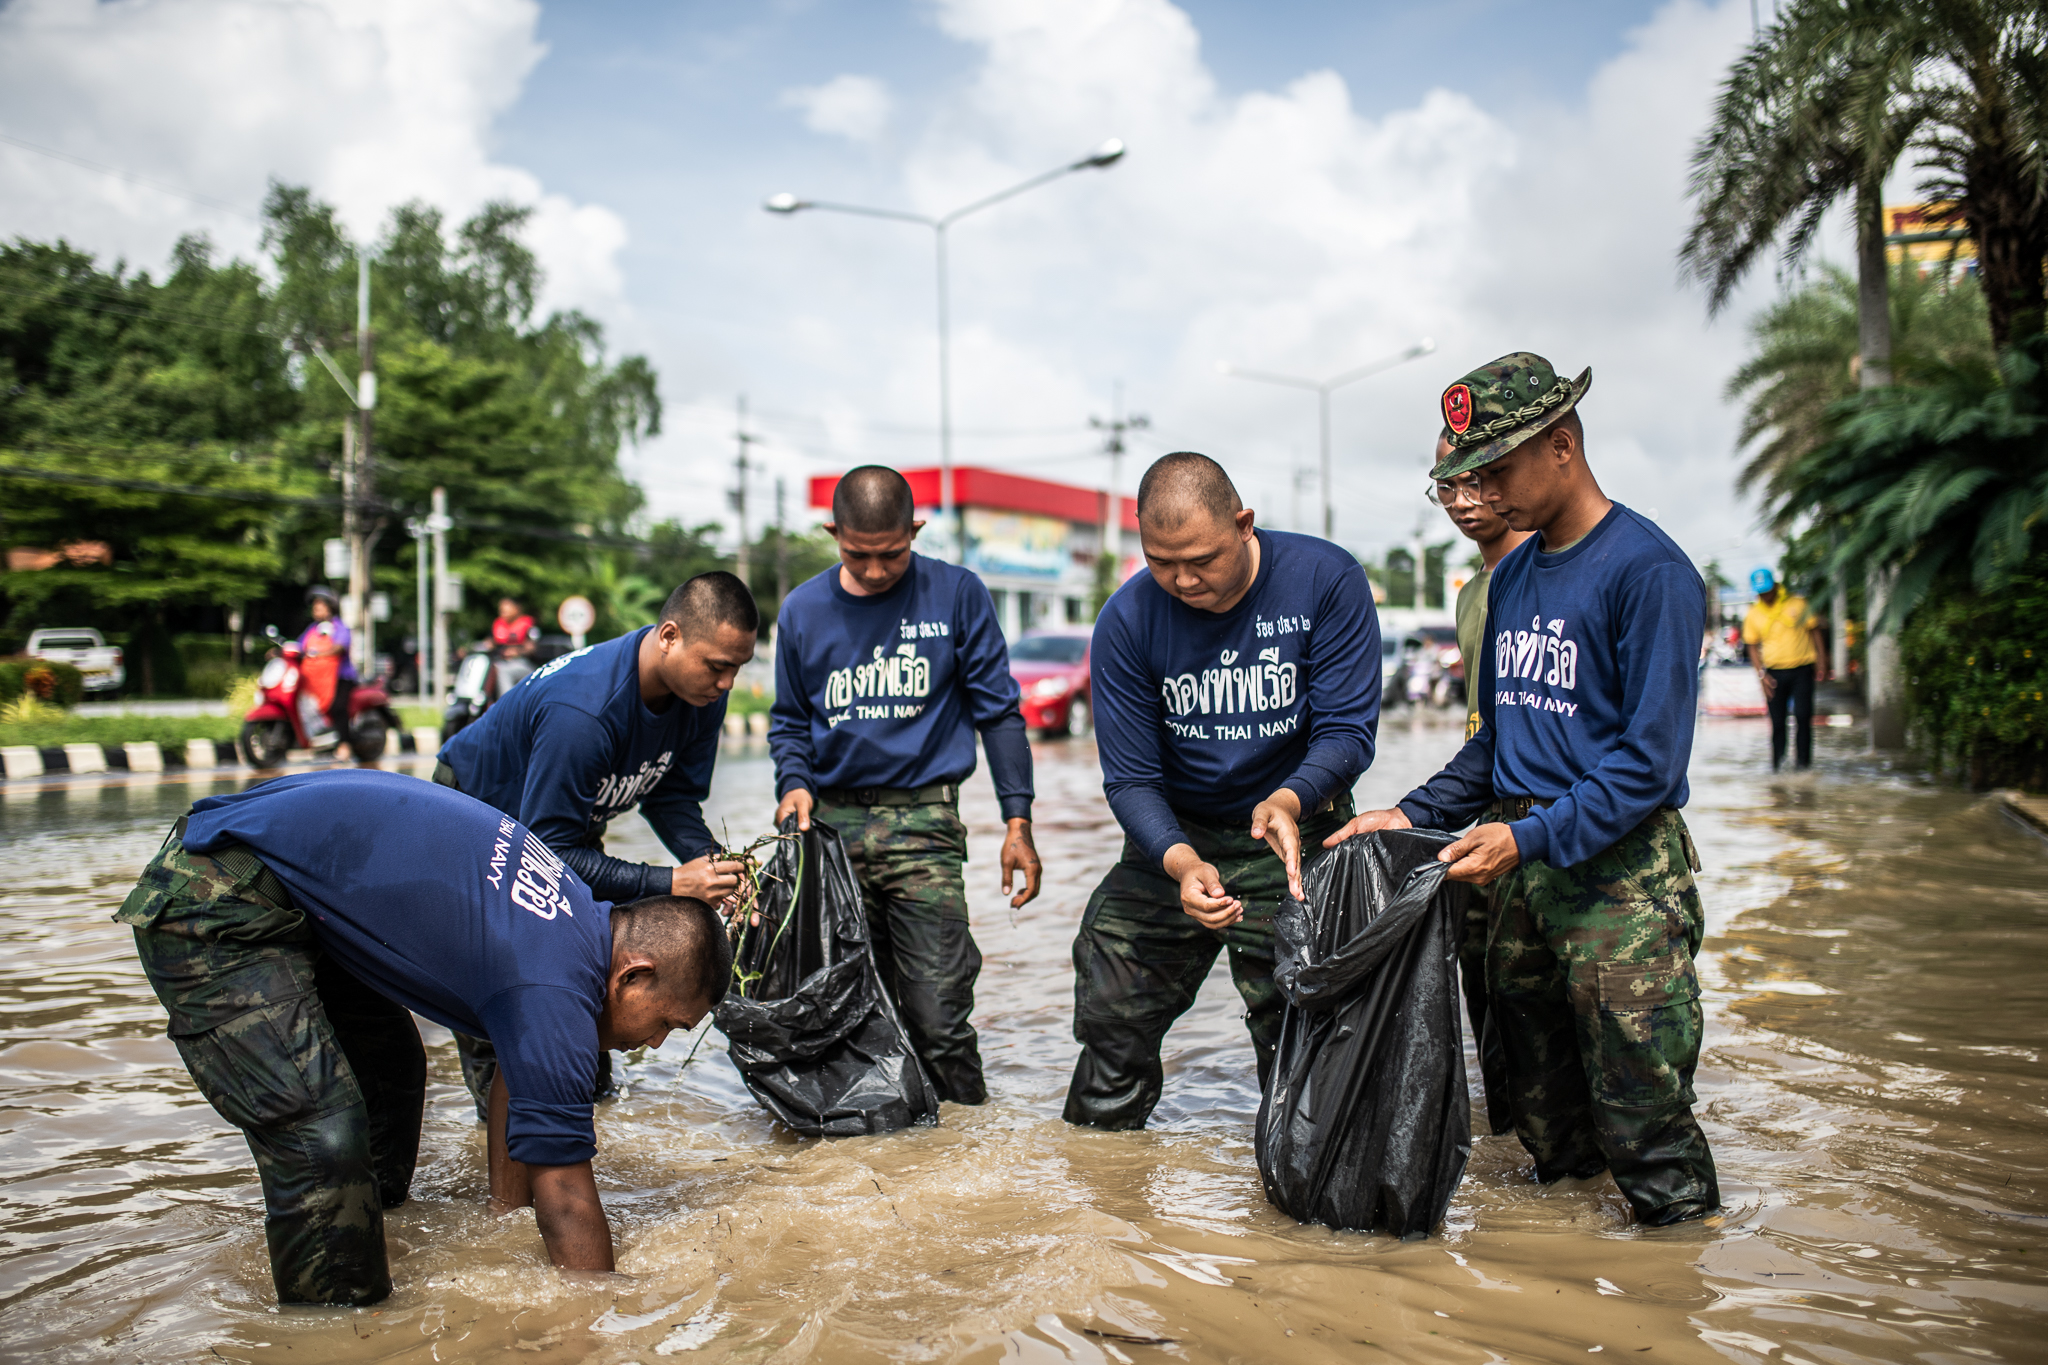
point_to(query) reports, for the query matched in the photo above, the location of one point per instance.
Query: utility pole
(362, 488)
(781, 545)
(438, 528)
(1112, 499)
(358, 483)
(739, 494)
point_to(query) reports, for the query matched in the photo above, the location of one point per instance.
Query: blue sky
(1309, 186)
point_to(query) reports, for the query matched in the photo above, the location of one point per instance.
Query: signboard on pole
(576, 616)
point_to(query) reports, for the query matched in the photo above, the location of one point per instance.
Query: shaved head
(700, 607)
(685, 940)
(1182, 486)
(873, 500)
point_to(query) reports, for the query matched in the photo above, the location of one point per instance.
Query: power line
(257, 495)
(131, 177)
(143, 312)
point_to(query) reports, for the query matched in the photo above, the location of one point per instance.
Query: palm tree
(1807, 360)
(1980, 95)
(1811, 114)
(1946, 480)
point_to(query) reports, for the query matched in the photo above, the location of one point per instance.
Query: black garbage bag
(807, 1022)
(1365, 1122)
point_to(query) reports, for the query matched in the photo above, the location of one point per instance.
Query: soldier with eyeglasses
(1489, 531)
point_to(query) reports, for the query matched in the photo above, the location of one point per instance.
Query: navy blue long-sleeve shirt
(573, 746)
(1587, 691)
(889, 690)
(453, 910)
(1212, 712)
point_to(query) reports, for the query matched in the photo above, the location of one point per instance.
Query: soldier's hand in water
(1367, 822)
(797, 803)
(1020, 859)
(1201, 889)
(706, 880)
(1487, 852)
(1277, 820)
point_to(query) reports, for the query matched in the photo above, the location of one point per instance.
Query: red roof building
(1034, 542)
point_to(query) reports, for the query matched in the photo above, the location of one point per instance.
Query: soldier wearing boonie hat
(1586, 692)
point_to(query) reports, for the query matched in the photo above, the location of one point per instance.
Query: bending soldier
(290, 928)
(1237, 698)
(1576, 774)
(583, 740)
(886, 666)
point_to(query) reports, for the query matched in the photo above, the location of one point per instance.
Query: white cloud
(370, 102)
(853, 107)
(1282, 229)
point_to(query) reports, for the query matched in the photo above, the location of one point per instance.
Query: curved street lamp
(1322, 389)
(1102, 158)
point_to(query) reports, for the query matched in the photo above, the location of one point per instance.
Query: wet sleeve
(789, 719)
(546, 1041)
(1660, 616)
(982, 660)
(570, 759)
(1454, 798)
(1129, 721)
(1343, 681)
(675, 808)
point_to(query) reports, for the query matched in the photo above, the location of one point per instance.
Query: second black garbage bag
(807, 1022)
(1366, 1123)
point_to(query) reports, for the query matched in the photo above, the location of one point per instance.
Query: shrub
(58, 684)
(1977, 671)
(169, 731)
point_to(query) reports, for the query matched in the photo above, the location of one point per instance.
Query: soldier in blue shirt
(1586, 688)
(886, 667)
(292, 929)
(587, 738)
(1237, 698)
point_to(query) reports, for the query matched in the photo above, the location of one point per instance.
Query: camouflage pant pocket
(268, 1066)
(1649, 1026)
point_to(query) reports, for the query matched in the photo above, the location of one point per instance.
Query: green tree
(521, 420)
(136, 414)
(1823, 104)
(1806, 360)
(1942, 482)
(1810, 116)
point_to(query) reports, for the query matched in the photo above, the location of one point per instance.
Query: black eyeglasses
(1448, 495)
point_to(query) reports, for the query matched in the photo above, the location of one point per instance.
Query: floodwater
(1873, 1087)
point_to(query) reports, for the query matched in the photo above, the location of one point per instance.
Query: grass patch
(169, 731)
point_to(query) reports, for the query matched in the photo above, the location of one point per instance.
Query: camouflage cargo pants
(1139, 960)
(910, 862)
(325, 1077)
(1597, 1004)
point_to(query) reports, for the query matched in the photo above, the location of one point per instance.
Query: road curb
(2030, 813)
(21, 762)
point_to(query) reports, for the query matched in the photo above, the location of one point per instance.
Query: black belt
(933, 794)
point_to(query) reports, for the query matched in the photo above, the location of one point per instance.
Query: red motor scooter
(286, 717)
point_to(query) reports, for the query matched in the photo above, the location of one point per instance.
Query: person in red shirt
(513, 633)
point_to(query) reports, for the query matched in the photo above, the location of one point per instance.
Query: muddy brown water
(1873, 1087)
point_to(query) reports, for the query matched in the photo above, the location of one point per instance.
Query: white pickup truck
(84, 650)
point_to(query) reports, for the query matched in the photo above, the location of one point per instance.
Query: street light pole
(1103, 157)
(1323, 388)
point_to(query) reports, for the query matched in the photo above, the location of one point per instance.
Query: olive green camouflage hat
(1500, 405)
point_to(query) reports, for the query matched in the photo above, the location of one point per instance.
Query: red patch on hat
(1457, 408)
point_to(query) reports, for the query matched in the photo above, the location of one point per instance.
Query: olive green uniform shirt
(1471, 639)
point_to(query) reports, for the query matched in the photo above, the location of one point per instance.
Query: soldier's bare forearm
(571, 1217)
(511, 1181)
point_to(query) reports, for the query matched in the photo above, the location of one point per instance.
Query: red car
(1051, 669)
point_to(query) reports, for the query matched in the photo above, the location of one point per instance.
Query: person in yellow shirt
(1787, 651)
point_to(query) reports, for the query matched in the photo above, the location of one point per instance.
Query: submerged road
(1873, 1086)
